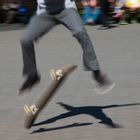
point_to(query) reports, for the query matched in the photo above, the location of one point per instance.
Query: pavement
(76, 112)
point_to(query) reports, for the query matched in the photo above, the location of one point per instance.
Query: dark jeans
(104, 5)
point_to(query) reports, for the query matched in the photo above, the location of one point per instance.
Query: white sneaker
(103, 85)
(104, 89)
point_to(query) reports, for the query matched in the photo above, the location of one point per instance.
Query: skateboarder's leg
(90, 60)
(72, 21)
(70, 18)
(39, 25)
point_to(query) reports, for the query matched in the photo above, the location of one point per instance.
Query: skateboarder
(50, 13)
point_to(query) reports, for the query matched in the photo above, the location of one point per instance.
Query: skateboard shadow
(94, 111)
(61, 127)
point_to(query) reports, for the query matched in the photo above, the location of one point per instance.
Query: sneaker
(30, 81)
(103, 85)
(104, 27)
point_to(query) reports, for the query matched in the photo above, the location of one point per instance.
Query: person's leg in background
(103, 16)
(86, 17)
(96, 12)
(138, 16)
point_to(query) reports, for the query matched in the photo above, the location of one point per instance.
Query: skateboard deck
(58, 77)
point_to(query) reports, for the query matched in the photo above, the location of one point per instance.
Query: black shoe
(104, 27)
(101, 79)
(103, 84)
(30, 81)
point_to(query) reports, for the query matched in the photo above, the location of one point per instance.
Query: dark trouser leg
(38, 26)
(71, 19)
(103, 19)
(28, 53)
(89, 56)
(104, 10)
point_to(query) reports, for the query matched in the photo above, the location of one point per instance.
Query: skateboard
(58, 77)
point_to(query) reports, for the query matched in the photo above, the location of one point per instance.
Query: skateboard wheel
(27, 109)
(32, 109)
(56, 74)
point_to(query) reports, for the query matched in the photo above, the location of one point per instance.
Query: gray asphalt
(76, 112)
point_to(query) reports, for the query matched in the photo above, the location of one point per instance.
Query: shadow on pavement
(94, 111)
(61, 127)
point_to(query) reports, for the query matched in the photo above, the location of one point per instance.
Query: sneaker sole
(104, 90)
(21, 93)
